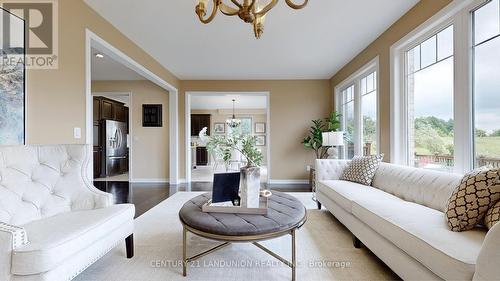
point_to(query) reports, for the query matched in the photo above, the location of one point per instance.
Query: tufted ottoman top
(285, 213)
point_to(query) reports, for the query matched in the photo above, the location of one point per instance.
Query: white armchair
(53, 222)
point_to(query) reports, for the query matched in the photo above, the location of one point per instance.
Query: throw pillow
(492, 216)
(470, 201)
(362, 169)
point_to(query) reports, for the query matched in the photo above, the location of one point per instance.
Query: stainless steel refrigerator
(116, 151)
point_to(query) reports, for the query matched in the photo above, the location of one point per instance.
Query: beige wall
(381, 47)
(56, 98)
(150, 150)
(293, 104)
(220, 116)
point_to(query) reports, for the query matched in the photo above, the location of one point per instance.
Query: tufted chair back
(42, 181)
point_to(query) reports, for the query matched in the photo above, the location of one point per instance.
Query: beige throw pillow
(470, 201)
(362, 169)
(492, 216)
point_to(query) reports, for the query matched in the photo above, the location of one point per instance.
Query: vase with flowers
(223, 147)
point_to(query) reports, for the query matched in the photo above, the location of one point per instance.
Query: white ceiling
(214, 101)
(312, 43)
(108, 69)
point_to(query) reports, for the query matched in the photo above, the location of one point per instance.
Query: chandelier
(233, 122)
(250, 11)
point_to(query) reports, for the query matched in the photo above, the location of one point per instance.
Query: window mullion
(463, 113)
(358, 133)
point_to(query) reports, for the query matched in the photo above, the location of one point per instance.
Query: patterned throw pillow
(492, 216)
(470, 201)
(362, 169)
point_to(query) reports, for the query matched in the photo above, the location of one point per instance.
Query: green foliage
(428, 137)
(369, 129)
(442, 127)
(314, 140)
(495, 133)
(333, 122)
(222, 147)
(481, 133)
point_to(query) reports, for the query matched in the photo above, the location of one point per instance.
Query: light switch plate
(77, 133)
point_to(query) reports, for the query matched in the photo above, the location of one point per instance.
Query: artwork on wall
(12, 82)
(261, 140)
(219, 128)
(152, 115)
(260, 127)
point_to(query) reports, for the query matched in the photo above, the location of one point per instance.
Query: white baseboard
(284, 181)
(152, 180)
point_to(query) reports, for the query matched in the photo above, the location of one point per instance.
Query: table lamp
(333, 140)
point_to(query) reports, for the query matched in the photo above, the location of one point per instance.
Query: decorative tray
(262, 210)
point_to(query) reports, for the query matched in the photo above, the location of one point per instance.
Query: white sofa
(53, 222)
(401, 219)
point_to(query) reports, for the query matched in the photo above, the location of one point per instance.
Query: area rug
(324, 252)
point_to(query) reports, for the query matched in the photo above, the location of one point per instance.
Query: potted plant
(222, 148)
(314, 140)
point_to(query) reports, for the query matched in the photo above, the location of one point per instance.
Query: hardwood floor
(147, 195)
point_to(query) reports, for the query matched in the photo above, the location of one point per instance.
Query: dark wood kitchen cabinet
(107, 109)
(198, 122)
(201, 156)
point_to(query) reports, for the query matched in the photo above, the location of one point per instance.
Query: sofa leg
(319, 204)
(356, 242)
(129, 243)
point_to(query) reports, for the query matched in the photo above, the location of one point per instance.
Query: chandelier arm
(252, 4)
(212, 15)
(227, 10)
(296, 6)
(266, 8)
(235, 2)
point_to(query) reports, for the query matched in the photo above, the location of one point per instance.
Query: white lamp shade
(333, 139)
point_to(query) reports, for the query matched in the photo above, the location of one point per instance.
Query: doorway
(214, 110)
(170, 110)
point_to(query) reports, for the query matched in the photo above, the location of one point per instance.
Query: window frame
(355, 80)
(458, 14)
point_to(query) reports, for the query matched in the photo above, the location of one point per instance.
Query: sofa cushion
(477, 192)
(362, 169)
(345, 192)
(424, 187)
(422, 233)
(53, 240)
(492, 216)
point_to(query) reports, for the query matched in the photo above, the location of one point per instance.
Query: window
(445, 99)
(348, 122)
(486, 46)
(357, 101)
(369, 113)
(429, 95)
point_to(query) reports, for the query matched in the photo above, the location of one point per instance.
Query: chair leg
(356, 242)
(129, 243)
(319, 204)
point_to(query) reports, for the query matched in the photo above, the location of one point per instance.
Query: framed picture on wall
(219, 128)
(260, 127)
(152, 115)
(12, 81)
(261, 140)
